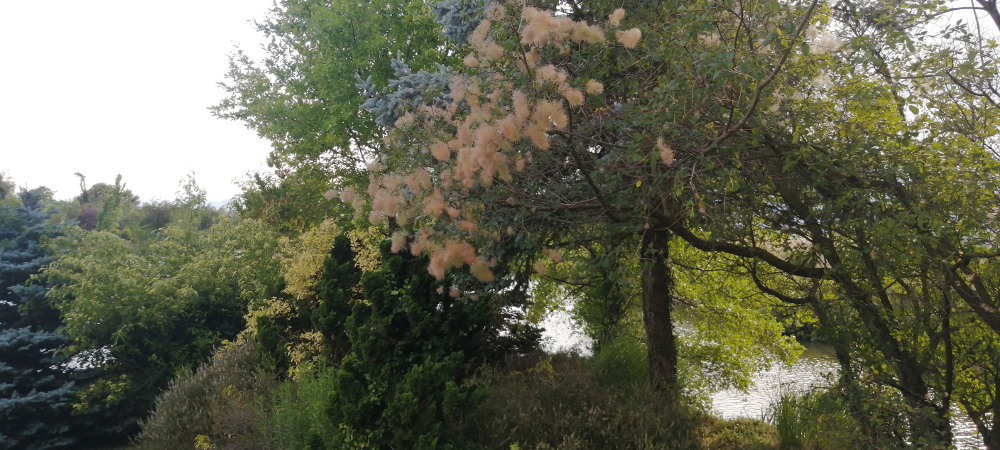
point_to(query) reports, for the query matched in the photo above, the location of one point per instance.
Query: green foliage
(142, 311)
(111, 212)
(191, 209)
(298, 409)
(621, 365)
(291, 202)
(730, 331)
(156, 214)
(741, 434)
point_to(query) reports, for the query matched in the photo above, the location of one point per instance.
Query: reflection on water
(815, 369)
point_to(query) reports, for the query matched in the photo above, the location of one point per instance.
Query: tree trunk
(991, 437)
(657, 306)
(850, 389)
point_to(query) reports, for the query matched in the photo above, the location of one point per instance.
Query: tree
(38, 386)
(143, 310)
(6, 186)
(605, 162)
(340, 276)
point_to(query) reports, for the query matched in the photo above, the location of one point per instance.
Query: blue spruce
(459, 18)
(411, 90)
(407, 92)
(37, 387)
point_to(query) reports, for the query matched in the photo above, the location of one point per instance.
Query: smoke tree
(546, 127)
(794, 137)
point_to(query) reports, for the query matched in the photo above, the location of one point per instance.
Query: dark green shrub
(412, 345)
(621, 364)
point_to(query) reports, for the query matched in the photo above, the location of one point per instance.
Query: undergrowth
(536, 402)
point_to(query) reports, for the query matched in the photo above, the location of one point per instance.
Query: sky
(107, 87)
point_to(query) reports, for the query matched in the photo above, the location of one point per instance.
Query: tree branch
(749, 252)
(773, 293)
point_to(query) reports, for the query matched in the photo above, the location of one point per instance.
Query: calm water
(814, 370)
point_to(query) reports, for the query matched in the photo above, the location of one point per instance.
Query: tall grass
(787, 416)
(298, 418)
(816, 420)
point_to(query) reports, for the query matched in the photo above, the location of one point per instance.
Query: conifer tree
(414, 340)
(36, 386)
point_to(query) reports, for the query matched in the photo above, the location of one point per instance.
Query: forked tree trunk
(657, 306)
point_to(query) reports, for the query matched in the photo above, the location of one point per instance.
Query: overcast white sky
(104, 87)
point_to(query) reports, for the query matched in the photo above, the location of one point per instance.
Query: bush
(400, 385)
(739, 434)
(217, 405)
(563, 404)
(413, 344)
(621, 364)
